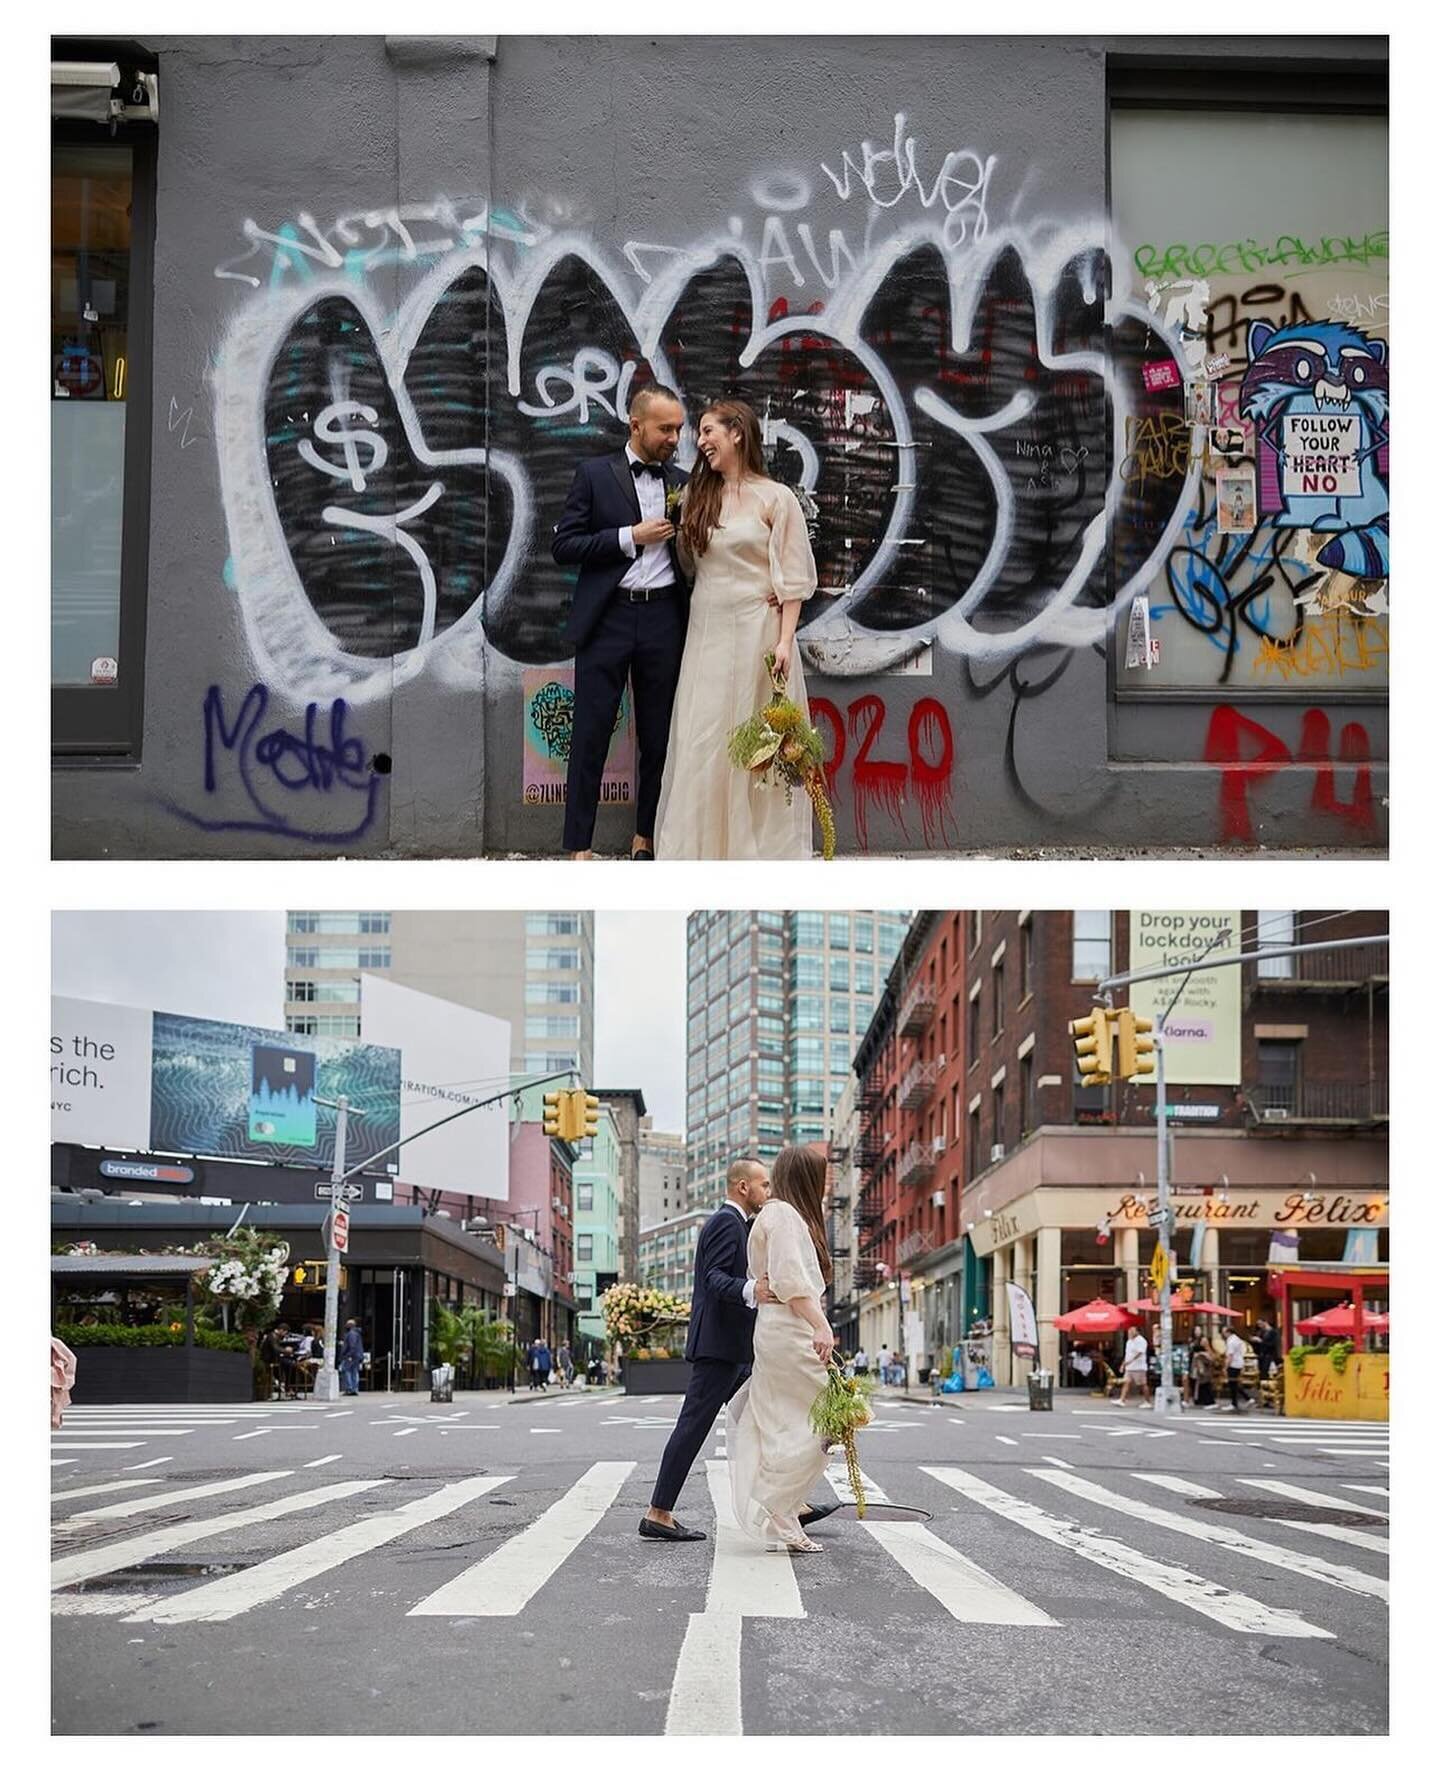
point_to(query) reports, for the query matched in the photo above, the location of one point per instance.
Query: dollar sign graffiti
(349, 441)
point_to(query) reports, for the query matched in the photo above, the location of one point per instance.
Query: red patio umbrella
(1339, 1321)
(1097, 1318)
(1217, 1311)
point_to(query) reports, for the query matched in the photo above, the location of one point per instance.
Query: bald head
(747, 1182)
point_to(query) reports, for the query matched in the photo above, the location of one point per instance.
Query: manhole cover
(142, 1573)
(1261, 1510)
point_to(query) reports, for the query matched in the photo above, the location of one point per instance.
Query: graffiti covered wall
(402, 288)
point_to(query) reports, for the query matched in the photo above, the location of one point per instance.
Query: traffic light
(556, 1115)
(587, 1115)
(1093, 1047)
(1135, 1047)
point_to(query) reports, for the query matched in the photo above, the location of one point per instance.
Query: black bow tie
(649, 467)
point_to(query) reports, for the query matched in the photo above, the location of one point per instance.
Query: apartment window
(839, 1057)
(976, 927)
(1279, 1075)
(303, 1026)
(807, 973)
(374, 922)
(102, 240)
(997, 1105)
(299, 992)
(303, 956)
(345, 1024)
(839, 1015)
(972, 1028)
(1028, 1095)
(808, 1013)
(552, 993)
(890, 938)
(1090, 944)
(376, 957)
(584, 1197)
(807, 1054)
(864, 976)
(810, 931)
(1275, 927)
(548, 1029)
(585, 1247)
(839, 931)
(864, 934)
(997, 986)
(302, 922)
(1027, 959)
(552, 959)
(977, 1160)
(552, 925)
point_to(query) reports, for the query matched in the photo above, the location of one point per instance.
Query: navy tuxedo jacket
(722, 1326)
(602, 500)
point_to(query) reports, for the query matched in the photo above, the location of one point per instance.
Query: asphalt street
(391, 1566)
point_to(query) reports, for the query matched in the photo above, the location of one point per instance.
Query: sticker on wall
(1160, 376)
(104, 671)
(1141, 650)
(1215, 366)
(1228, 442)
(1200, 403)
(1235, 501)
(549, 713)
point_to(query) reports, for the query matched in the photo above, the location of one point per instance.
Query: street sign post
(340, 1229)
(350, 1192)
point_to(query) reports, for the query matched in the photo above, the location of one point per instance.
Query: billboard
(1202, 1036)
(133, 1079)
(453, 1056)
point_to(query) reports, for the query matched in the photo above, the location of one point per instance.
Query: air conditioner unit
(939, 1144)
(1276, 1113)
(938, 1199)
(997, 1151)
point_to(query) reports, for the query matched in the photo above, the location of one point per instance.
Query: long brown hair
(798, 1177)
(706, 486)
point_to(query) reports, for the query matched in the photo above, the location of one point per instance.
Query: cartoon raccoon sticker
(1319, 396)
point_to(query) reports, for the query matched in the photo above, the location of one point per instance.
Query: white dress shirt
(653, 568)
(729, 1203)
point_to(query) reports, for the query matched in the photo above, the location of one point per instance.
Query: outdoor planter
(145, 1375)
(645, 1378)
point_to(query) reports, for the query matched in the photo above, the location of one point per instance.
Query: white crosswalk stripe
(100, 1489)
(501, 1584)
(124, 1554)
(248, 1589)
(177, 1498)
(1316, 1498)
(1318, 1569)
(1236, 1612)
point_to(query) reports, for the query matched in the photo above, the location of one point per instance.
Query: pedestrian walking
(1133, 1370)
(1234, 1365)
(1202, 1372)
(538, 1361)
(62, 1378)
(1267, 1347)
(862, 1361)
(882, 1362)
(567, 1365)
(352, 1357)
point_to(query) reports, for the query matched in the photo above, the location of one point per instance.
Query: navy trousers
(641, 641)
(712, 1383)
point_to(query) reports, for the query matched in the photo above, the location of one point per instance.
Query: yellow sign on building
(1361, 1393)
(1159, 1267)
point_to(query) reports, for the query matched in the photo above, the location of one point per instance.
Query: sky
(232, 965)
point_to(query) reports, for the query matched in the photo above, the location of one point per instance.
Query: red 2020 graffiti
(927, 773)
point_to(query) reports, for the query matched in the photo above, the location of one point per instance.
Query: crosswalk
(1251, 1565)
(1360, 1441)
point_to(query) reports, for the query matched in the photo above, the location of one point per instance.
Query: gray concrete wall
(387, 266)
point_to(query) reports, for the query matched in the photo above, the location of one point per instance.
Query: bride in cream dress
(744, 536)
(774, 1455)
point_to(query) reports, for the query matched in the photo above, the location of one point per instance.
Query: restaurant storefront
(401, 1265)
(1067, 1242)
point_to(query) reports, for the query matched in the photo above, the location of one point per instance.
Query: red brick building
(982, 1160)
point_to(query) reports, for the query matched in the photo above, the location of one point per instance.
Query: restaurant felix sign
(1295, 1208)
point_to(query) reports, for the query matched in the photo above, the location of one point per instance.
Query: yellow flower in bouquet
(781, 747)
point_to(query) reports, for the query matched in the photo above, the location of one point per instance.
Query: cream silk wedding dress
(709, 808)
(773, 1453)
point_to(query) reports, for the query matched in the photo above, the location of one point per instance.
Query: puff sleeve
(792, 563)
(790, 1262)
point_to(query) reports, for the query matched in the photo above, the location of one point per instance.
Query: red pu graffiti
(1245, 752)
(927, 774)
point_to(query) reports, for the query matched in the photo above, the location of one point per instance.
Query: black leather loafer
(675, 1534)
(820, 1512)
(642, 852)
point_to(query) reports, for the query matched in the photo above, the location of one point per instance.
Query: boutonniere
(674, 503)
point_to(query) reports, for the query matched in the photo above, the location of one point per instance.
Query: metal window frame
(1273, 84)
(104, 726)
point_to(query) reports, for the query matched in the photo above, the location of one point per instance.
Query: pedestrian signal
(1135, 1047)
(1093, 1044)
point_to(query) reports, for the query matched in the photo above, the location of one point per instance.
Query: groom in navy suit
(629, 612)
